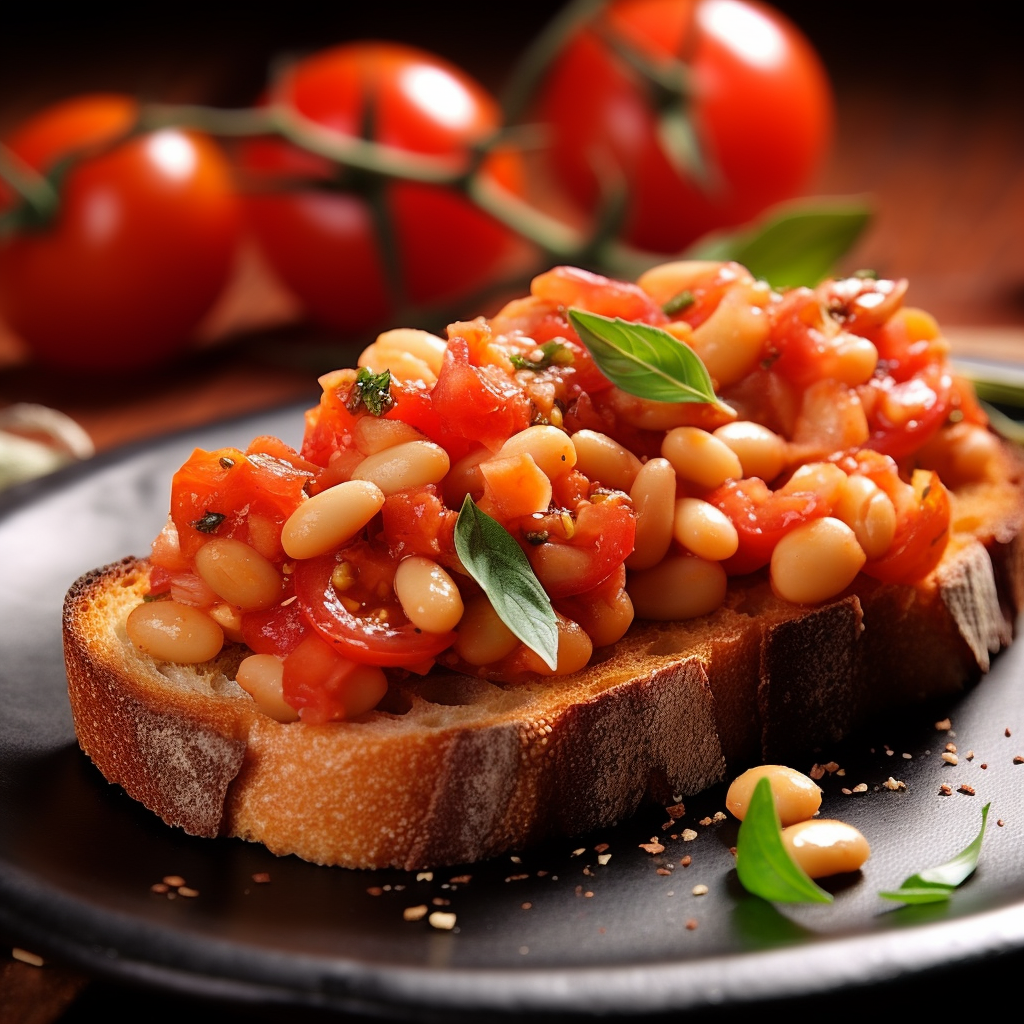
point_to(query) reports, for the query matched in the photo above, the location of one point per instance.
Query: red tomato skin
(324, 243)
(763, 110)
(143, 243)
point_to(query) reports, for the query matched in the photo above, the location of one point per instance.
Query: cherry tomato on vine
(140, 246)
(759, 101)
(327, 241)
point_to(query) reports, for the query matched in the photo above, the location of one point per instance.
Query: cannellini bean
(853, 359)
(550, 448)
(261, 676)
(428, 595)
(574, 650)
(421, 344)
(238, 574)
(373, 434)
(731, 340)
(411, 464)
(482, 637)
(797, 797)
(653, 494)
(330, 518)
(825, 847)
(704, 529)
(229, 618)
(465, 477)
(606, 621)
(831, 418)
(815, 561)
(762, 453)
(402, 365)
(680, 587)
(365, 687)
(869, 512)
(603, 460)
(701, 457)
(169, 631)
(824, 478)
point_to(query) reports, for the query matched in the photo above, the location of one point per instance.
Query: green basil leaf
(795, 244)
(644, 360)
(372, 390)
(936, 884)
(491, 556)
(763, 865)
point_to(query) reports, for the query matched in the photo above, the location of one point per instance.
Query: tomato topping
(903, 415)
(365, 639)
(762, 517)
(278, 629)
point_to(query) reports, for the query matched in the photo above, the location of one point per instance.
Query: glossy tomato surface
(759, 100)
(355, 248)
(141, 246)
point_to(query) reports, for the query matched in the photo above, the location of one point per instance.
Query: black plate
(553, 931)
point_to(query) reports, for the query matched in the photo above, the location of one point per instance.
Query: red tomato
(325, 241)
(360, 638)
(762, 517)
(761, 104)
(142, 243)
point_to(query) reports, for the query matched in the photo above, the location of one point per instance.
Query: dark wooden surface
(930, 126)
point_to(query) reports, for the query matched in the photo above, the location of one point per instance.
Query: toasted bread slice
(452, 769)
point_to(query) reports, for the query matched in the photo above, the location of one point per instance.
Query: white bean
(238, 574)
(815, 561)
(411, 464)
(261, 676)
(428, 595)
(330, 518)
(169, 631)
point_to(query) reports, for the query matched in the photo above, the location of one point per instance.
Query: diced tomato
(601, 541)
(361, 638)
(762, 517)
(230, 484)
(416, 522)
(323, 686)
(570, 286)
(275, 630)
(903, 415)
(478, 403)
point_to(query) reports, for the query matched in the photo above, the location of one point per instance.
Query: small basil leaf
(763, 865)
(936, 884)
(491, 556)
(372, 390)
(644, 360)
(795, 244)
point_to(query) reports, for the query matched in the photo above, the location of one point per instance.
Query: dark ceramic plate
(551, 932)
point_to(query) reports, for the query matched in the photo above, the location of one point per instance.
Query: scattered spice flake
(950, 758)
(894, 784)
(425, 876)
(441, 920)
(416, 913)
(173, 881)
(969, 755)
(517, 878)
(700, 890)
(1000, 822)
(691, 924)
(816, 772)
(944, 726)
(1006, 731)
(527, 906)
(676, 810)
(261, 877)
(603, 858)
(653, 846)
(588, 895)
(184, 890)
(516, 859)
(666, 825)
(542, 873)
(831, 767)
(32, 959)
(983, 766)
(841, 772)
(663, 871)
(966, 790)
(461, 879)
(600, 848)
(686, 861)
(688, 835)
(945, 790)
(588, 872)
(159, 888)
(375, 890)
(1018, 759)
(440, 901)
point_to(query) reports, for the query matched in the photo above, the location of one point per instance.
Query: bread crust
(453, 769)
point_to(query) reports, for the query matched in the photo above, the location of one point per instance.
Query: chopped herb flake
(209, 522)
(373, 391)
(678, 303)
(553, 353)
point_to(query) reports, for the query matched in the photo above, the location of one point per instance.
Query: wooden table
(930, 126)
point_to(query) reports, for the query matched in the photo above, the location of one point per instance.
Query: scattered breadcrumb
(33, 959)
(653, 846)
(951, 747)
(1018, 759)
(261, 877)
(441, 920)
(688, 835)
(375, 890)
(945, 790)
(517, 878)
(691, 924)
(416, 913)
(159, 888)
(816, 772)
(527, 905)
(944, 726)
(969, 755)
(676, 810)
(603, 858)
(425, 876)
(663, 871)
(965, 789)
(907, 757)
(841, 772)
(461, 880)
(1006, 731)
(187, 891)
(686, 861)
(600, 848)
(173, 880)
(700, 890)
(588, 895)
(950, 758)
(577, 853)
(894, 784)
(704, 821)
(440, 901)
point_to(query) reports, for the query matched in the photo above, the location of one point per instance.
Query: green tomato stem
(39, 198)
